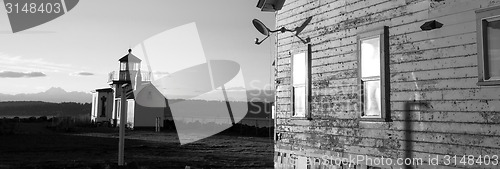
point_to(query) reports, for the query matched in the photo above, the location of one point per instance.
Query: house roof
(129, 57)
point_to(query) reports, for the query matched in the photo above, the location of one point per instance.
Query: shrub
(70, 124)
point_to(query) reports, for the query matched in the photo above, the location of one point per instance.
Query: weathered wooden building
(385, 82)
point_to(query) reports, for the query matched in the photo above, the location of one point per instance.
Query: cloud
(82, 73)
(85, 74)
(19, 63)
(160, 73)
(11, 74)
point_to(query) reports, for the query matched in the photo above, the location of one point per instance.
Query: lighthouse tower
(129, 73)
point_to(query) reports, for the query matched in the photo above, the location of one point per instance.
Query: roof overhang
(270, 5)
(104, 90)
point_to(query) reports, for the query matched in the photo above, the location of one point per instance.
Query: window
(134, 66)
(300, 81)
(488, 38)
(373, 62)
(123, 65)
(103, 108)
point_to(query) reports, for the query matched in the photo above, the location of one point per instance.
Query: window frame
(482, 15)
(384, 77)
(306, 85)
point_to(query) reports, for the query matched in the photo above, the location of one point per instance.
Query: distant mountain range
(54, 95)
(59, 95)
(252, 95)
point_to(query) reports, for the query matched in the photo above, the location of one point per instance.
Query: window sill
(368, 119)
(488, 83)
(300, 118)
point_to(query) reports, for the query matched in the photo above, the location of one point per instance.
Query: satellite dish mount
(263, 29)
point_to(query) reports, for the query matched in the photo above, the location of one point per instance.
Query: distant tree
(42, 118)
(30, 108)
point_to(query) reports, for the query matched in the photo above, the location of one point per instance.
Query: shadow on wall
(410, 107)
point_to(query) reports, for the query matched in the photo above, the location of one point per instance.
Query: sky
(77, 50)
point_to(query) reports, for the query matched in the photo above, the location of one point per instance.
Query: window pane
(123, 66)
(370, 57)
(299, 68)
(300, 101)
(493, 46)
(372, 104)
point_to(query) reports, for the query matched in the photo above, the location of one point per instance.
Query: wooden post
(256, 128)
(269, 127)
(157, 126)
(123, 116)
(228, 105)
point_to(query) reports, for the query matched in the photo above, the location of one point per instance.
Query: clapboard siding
(436, 106)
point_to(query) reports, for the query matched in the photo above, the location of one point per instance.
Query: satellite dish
(260, 27)
(299, 29)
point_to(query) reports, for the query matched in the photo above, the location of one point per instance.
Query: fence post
(157, 127)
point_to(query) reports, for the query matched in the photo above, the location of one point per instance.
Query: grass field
(34, 146)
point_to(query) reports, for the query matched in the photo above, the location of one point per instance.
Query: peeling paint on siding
(434, 72)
